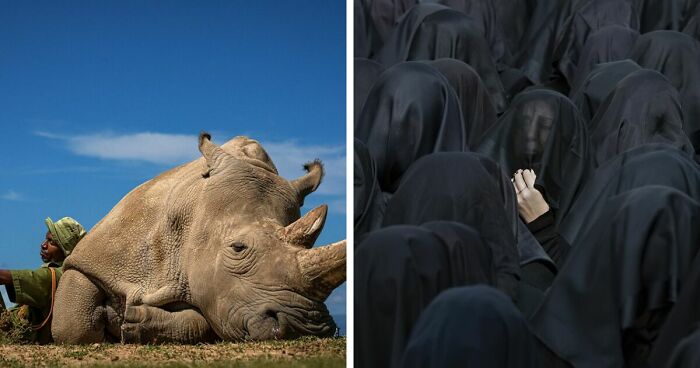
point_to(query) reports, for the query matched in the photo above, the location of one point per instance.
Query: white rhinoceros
(213, 249)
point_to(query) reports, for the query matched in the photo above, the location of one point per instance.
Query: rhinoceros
(214, 249)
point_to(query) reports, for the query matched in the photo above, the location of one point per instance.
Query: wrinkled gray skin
(213, 249)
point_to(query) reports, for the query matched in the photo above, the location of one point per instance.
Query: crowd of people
(526, 183)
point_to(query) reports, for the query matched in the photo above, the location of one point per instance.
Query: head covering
(471, 326)
(622, 274)
(370, 202)
(643, 108)
(467, 188)
(650, 164)
(483, 12)
(611, 43)
(380, 18)
(398, 271)
(678, 341)
(478, 112)
(366, 74)
(692, 21)
(410, 112)
(587, 18)
(677, 56)
(66, 233)
(542, 130)
(687, 353)
(432, 31)
(546, 21)
(655, 15)
(595, 88)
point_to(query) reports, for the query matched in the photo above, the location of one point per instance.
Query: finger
(515, 187)
(529, 177)
(519, 182)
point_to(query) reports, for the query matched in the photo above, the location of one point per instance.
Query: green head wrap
(66, 233)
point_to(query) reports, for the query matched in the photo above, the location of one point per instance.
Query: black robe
(484, 13)
(599, 83)
(691, 25)
(432, 31)
(655, 15)
(410, 112)
(398, 271)
(547, 20)
(683, 320)
(370, 202)
(623, 274)
(677, 56)
(478, 112)
(379, 19)
(471, 189)
(542, 130)
(657, 164)
(611, 43)
(687, 353)
(471, 326)
(588, 18)
(366, 73)
(643, 108)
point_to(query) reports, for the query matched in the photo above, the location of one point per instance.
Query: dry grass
(305, 352)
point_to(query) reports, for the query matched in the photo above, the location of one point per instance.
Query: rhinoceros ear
(306, 184)
(210, 151)
(304, 231)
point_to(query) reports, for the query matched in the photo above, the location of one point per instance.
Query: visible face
(50, 251)
(259, 294)
(537, 120)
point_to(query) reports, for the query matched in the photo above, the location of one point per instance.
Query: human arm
(31, 287)
(538, 216)
(5, 277)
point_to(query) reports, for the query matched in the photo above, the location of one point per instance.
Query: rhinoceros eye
(238, 246)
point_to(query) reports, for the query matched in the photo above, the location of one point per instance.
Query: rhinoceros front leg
(78, 315)
(151, 325)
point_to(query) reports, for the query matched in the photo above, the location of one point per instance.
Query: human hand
(531, 204)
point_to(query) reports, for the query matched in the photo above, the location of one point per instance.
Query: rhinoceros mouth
(265, 326)
(278, 325)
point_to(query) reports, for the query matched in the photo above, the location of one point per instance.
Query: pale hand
(531, 204)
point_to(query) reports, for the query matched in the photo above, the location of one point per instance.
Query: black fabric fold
(611, 43)
(478, 112)
(599, 83)
(431, 32)
(677, 56)
(369, 203)
(643, 108)
(587, 18)
(467, 188)
(656, 164)
(472, 326)
(622, 275)
(411, 111)
(367, 73)
(398, 271)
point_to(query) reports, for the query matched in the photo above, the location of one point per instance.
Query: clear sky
(97, 97)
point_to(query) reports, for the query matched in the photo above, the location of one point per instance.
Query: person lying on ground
(33, 290)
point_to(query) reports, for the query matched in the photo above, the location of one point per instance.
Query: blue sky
(97, 97)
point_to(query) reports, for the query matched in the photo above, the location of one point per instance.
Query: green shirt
(33, 289)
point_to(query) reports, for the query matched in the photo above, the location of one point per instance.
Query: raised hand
(531, 204)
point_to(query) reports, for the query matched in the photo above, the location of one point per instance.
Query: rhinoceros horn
(304, 231)
(309, 182)
(322, 268)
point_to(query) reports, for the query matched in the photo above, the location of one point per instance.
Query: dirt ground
(306, 352)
